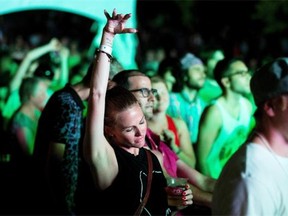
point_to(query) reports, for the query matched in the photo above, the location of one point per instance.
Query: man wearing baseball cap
(187, 104)
(254, 181)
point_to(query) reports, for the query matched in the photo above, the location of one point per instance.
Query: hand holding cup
(179, 192)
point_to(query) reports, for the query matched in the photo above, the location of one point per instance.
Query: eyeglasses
(241, 73)
(146, 92)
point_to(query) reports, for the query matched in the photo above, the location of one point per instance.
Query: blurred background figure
(225, 124)
(152, 59)
(36, 61)
(170, 71)
(187, 104)
(23, 124)
(173, 131)
(211, 89)
(8, 68)
(21, 134)
(115, 67)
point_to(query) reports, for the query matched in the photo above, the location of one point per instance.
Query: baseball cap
(189, 60)
(270, 80)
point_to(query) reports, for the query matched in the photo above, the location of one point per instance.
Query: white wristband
(106, 49)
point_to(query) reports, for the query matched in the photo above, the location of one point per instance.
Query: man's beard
(194, 86)
(148, 115)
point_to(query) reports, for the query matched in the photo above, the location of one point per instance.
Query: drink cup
(176, 186)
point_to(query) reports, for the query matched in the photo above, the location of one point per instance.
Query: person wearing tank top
(232, 134)
(226, 122)
(254, 180)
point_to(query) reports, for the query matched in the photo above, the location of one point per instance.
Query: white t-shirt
(252, 183)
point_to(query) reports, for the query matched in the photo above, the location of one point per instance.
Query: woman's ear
(108, 131)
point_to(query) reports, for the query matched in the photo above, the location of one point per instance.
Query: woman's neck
(132, 150)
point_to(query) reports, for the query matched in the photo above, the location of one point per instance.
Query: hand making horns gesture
(116, 23)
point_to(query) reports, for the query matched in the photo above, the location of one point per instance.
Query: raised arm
(97, 151)
(62, 72)
(34, 54)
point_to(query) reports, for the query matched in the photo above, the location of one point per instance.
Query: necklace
(265, 142)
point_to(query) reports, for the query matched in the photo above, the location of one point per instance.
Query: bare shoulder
(212, 111)
(211, 118)
(179, 123)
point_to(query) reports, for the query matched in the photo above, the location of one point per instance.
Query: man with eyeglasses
(254, 180)
(145, 92)
(227, 120)
(140, 85)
